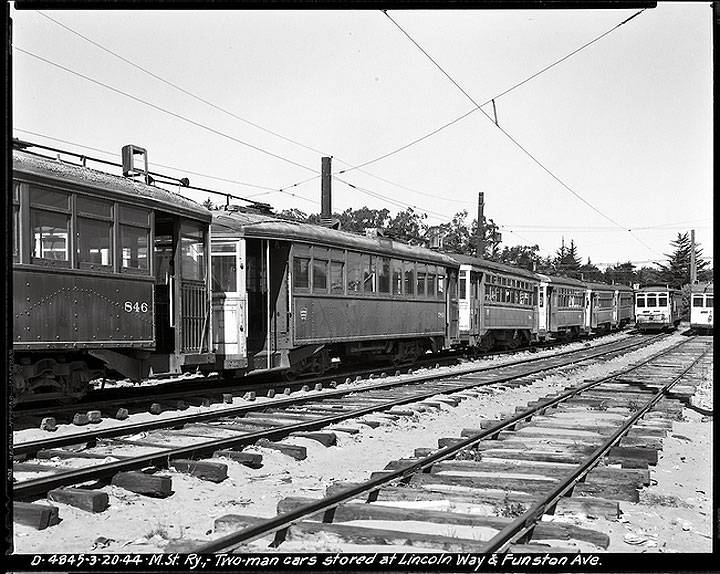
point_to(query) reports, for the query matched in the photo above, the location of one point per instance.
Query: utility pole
(325, 190)
(693, 265)
(480, 234)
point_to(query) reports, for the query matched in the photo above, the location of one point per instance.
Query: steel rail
(522, 526)
(31, 447)
(39, 486)
(281, 523)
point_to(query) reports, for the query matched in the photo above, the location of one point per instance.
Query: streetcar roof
(484, 264)
(85, 178)
(262, 226)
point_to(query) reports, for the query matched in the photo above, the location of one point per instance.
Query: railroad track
(119, 402)
(581, 450)
(227, 434)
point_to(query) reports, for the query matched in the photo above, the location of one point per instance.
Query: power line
(177, 87)
(233, 115)
(180, 169)
(511, 138)
(517, 85)
(212, 130)
(163, 110)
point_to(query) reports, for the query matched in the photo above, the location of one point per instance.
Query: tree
(648, 275)
(208, 204)
(407, 226)
(567, 261)
(294, 214)
(676, 272)
(590, 272)
(456, 234)
(525, 256)
(622, 273)
(364, 218)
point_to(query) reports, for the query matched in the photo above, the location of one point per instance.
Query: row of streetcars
(113, 275)
(501, 305)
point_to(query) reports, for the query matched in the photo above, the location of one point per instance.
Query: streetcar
(701, 307)
(657, 308)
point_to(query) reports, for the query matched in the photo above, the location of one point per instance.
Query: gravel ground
(134, 523)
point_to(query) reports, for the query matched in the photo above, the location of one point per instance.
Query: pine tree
(567, 261)
(676, 272)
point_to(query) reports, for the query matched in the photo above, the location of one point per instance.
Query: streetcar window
(441, 286)
(94, 244)
(662, 301)
(135, 238)
(397, 273)
(319, 281)
(97, 207)
(383, 273)
(134, 248)
(709, 302)
(409, 278)
(652, 300)
(354, 272)
(640, 301)
(421, 274)
(42, 197)
(223, 248)
(431, 284)
(301, 275)
(697, 301)
(337, 284)
(224, 272)
(50, 235)
(192, 257)
(135, 215)
(463, 288)
(368, 273)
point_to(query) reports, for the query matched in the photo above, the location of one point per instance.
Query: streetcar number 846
(135, 307)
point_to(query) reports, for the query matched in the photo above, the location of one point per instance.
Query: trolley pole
(693, 264)
(480, 234)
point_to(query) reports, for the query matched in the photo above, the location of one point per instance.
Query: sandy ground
(134, 523)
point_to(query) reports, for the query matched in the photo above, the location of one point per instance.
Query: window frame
(35, 208)
(81, 216)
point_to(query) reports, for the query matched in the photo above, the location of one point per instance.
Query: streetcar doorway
(268, 309)
(164, 254)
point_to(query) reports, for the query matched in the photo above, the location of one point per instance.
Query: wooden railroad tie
(37, 516)
(249, 459)
(294, 451)
(203, 469)
(324, 438)
(84, 499)
(142, 483)
(348, 512)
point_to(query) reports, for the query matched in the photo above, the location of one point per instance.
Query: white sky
(626, 123)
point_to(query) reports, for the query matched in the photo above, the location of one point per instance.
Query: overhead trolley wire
(180, 169)
(511, 138)
(165, 111)
(478, 106)
(233, 115)
(203, 126)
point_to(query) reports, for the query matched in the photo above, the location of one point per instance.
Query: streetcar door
(164, 254)
(229, 299)
(542, 308)
(191, 289)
